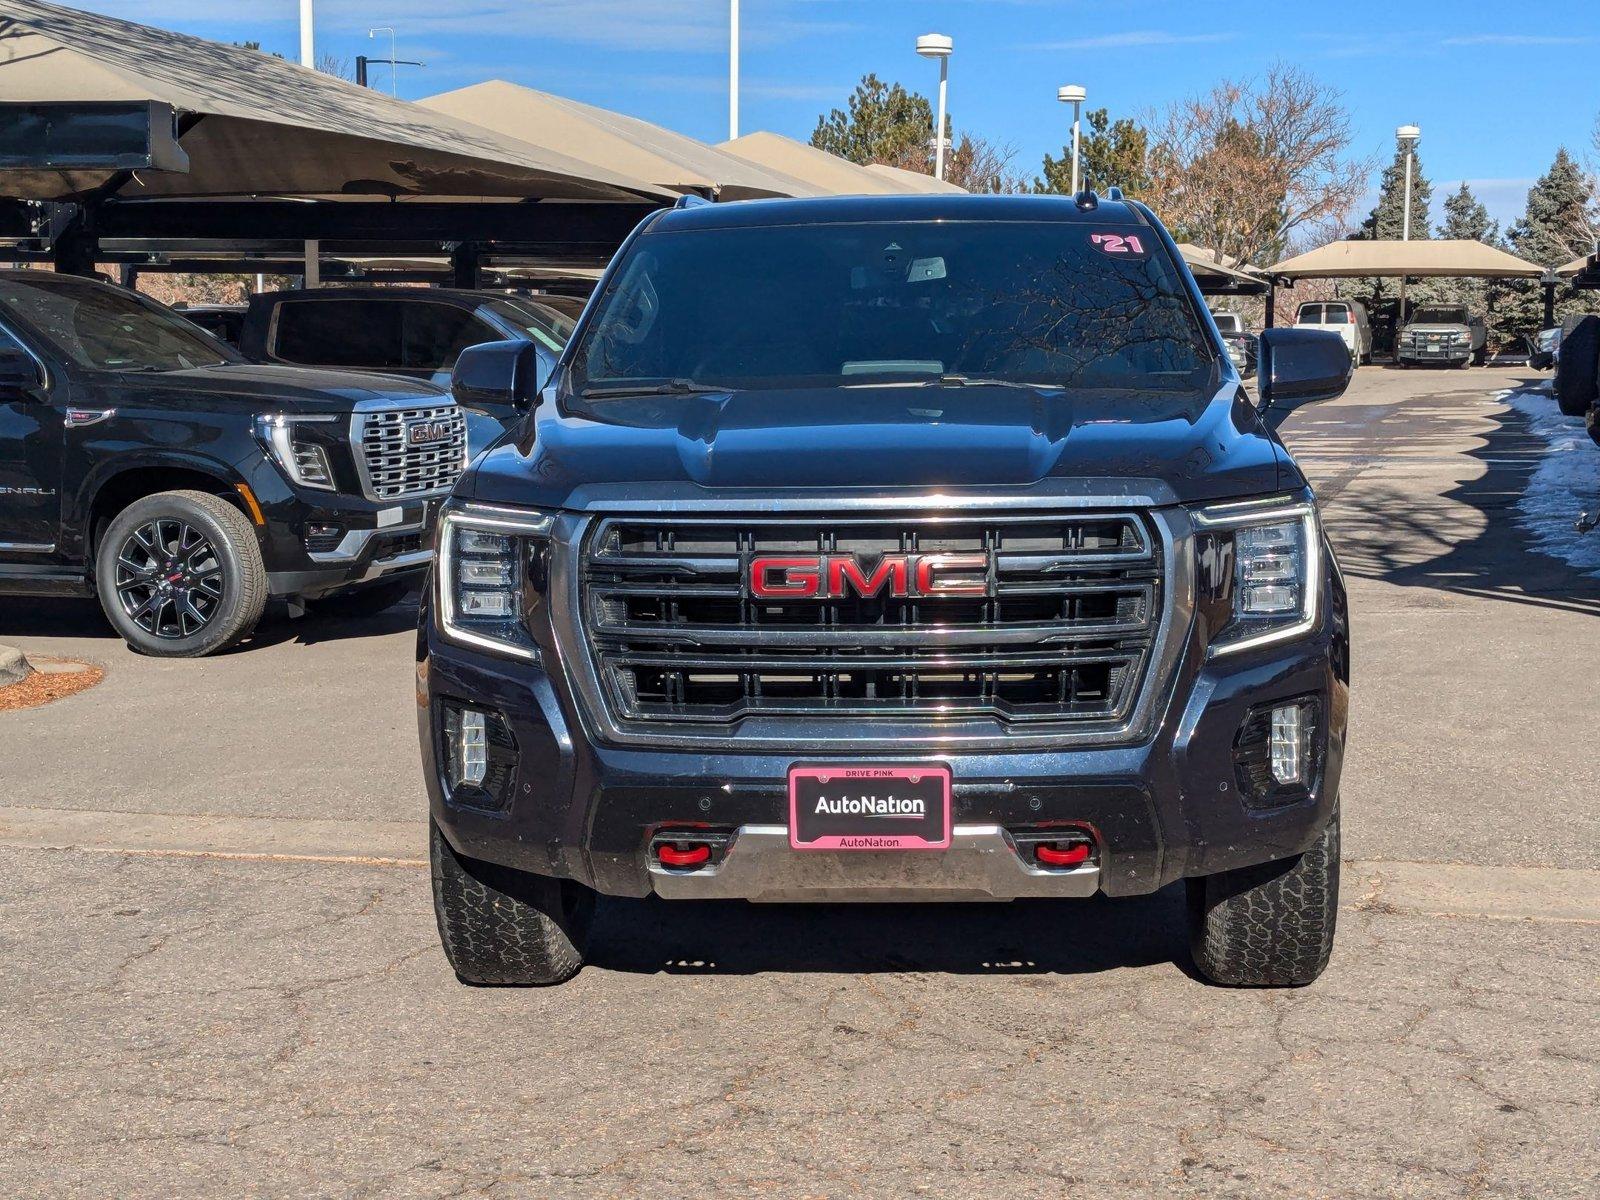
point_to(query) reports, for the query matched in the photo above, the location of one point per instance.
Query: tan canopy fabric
(915, 181)
(1208, 264)
(612, 140)
(269, 127)
(1575, 266)
(828, 173)
(1439, 258)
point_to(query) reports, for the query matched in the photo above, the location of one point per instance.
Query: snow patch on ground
(1566, 482)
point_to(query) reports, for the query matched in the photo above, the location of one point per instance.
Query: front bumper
(1157, 811)
(1448, 355)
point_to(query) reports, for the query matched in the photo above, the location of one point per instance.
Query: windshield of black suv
(1051, 304)
(107, 329)
(551, 329)
(1439, 316)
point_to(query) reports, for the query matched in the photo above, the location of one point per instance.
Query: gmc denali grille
(1065, 634)
(392, 468)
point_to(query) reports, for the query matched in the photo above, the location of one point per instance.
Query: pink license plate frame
(880, 780)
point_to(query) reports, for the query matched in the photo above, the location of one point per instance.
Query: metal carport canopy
(828, 173)
(613, 140)
(1216, 277)
(1438, 258)
(253, 124)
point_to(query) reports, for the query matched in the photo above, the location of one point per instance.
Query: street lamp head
(935, 45)
(1071, 94)
(1408, 133)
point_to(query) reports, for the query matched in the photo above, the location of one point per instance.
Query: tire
(223, 585)
(502, 927)
(1269, 925)
(361, 603)
(1578, 373)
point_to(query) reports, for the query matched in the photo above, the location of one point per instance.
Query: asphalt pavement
(219, 973)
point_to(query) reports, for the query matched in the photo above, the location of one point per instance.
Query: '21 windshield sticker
(1118, 243)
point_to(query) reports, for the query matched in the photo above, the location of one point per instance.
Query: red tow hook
(671, 856)
(1070, 855)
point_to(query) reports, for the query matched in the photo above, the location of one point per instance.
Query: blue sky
(1495, 87)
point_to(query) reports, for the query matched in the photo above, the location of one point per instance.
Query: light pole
(393, 70)
(1074, 95)
(937, 45)
(308, 50)
(308, 58)
(1408, 136)
(733, 69)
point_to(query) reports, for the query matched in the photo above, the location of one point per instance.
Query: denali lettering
(835, 576)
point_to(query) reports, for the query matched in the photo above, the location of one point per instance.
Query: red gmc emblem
(836, 576)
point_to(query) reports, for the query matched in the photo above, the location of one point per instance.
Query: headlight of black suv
(1260, 566)
(491, 573)
(303, 458)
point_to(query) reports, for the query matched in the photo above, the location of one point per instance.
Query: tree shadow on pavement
(1392, 534)
(1027, 937)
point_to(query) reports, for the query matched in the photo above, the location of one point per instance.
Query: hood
(1168, 446)
(263, 386)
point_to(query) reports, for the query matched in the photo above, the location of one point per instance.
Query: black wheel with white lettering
(180, 575)
(507, 928)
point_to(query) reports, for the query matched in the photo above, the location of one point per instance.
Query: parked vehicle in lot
(1443, 333)
(1542, 354)
(147, 463)
(1347, 318)
(225, 322)
(418, 332)
(889, 548)
(1577, 379)
(1241, 343)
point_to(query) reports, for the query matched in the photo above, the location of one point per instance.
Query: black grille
(1065, 635)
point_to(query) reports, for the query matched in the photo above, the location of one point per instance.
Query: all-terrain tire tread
(1270, 925)
(502, 927)
(1577, 382)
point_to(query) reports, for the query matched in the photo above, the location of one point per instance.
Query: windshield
(1440, 316)
(546, 326)
(108, 329)
(1035, 303)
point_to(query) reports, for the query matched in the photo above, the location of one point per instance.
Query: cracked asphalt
(219, 973)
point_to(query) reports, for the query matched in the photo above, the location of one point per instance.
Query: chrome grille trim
(392, 470)
(1118, 630)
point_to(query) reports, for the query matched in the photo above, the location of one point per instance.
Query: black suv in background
(144, 461)
(411, 331)
(895, 548)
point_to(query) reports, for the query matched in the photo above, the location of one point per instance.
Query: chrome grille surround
(392, 470)
(1066, 651)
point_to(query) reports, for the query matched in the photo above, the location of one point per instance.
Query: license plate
(869, 808)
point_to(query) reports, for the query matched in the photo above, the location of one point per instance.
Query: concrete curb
(13, 667)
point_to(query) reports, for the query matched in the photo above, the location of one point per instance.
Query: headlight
(492, 571)
(1261, 572)
(305, 462)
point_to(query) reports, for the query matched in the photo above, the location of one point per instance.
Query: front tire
(179, 574)
(1269, 925)
(502, 927)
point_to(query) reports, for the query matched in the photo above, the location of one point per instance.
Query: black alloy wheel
(169, 579)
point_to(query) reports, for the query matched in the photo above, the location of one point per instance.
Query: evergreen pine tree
(1559, 225)
(1465, 218)
(1386, 222)
(1109, 153)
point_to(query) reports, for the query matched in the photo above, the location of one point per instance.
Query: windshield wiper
(667, 387)
(980, 381)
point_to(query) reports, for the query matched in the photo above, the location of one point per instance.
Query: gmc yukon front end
(894, 549)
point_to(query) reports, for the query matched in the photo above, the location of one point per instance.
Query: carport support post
(464, 265)
(1549, 302)
(313, 277)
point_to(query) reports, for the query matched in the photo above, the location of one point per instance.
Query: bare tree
(980, 165)
(1245, 166)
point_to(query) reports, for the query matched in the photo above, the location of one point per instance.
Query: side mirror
(19, 374)
(499, 377)
(1302, 365)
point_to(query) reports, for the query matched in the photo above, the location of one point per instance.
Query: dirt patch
(52, 679)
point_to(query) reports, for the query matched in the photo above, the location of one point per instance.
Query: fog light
(1290, 734)
(467, 743)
